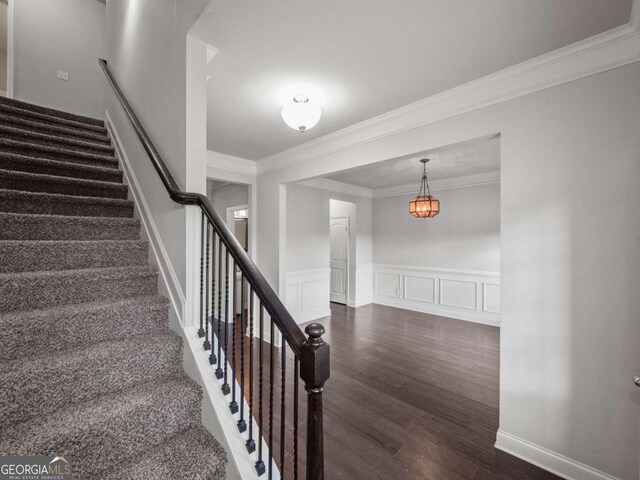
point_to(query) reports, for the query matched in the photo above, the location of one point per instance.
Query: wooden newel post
(314, 371)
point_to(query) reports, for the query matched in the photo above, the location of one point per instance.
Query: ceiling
(367, 57)
(469, 158)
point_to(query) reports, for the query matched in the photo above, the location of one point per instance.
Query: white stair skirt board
(228, 426)
(462, 294)
(219, 422)
(307, 294)
(553, 462)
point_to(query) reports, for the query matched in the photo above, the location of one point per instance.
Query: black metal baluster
(251, 444)
(212, 357)
(219, 373)
(201, 330)
(225, 386)
(283, 398)
(271, 361)
(296, 374)
(260, 468)
(242, 424)
(233, 406)
(206, 343)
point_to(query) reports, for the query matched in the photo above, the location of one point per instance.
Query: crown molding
(486, 178)
(439, 185)
(339, 187)
(612, 49)
(231, 163)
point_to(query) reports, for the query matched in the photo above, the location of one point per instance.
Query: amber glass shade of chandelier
(424, 206)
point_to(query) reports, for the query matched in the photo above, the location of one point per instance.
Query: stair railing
(251, 324)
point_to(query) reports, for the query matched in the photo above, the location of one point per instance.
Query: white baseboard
(168, 274)
(307, 294)
(468, 295)
(553, 462)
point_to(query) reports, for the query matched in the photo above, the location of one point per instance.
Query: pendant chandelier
(424, 205)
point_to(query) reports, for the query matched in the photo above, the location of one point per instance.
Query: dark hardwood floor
(411, 396)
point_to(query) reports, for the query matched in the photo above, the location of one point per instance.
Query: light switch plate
(63, 75)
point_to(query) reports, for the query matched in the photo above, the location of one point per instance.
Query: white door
(339, 254)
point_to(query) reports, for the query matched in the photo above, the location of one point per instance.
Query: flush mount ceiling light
(424, 205)
(301, 114)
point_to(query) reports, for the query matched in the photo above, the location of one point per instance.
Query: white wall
(465, 235)
(570, 266)
(66, 35)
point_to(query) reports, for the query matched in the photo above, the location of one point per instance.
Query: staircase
(90, 369)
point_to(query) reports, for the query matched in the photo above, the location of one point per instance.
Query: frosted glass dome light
(301, 114)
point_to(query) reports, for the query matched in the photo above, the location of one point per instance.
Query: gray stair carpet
(90, 369)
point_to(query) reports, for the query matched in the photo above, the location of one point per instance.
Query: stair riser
(27, 227)
(64, 186)
(26, 293)
(48, 256)
(101, 443)
(51, 129)
(55, 330)
(61, 169)
(37, 139)
(34, 388)
(46, 206)
(54, 120)
(60, 155)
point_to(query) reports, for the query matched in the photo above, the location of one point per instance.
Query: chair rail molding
(461, 294)
(608, 50)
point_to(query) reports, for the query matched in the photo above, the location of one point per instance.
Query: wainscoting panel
(458, 293)
(364, 285)
(491, 297)
(307, 294)
(419, 288)
(465, 295)
(386, 284)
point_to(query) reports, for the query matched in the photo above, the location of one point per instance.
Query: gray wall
(465, 235)
(66, 35)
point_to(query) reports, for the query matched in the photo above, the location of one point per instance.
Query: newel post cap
(315, 332)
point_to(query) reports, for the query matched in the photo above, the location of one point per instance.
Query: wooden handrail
(312, 351)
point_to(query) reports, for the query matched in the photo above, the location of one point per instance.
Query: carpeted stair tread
(50, 330)
(109, 430)
(22, 226)
(90, 368)
(23, 163)
(191, 455)
(16, 121)
(57, 153)
(52, 113)
(40, 255)
(14, 201)
(38, 182)
(32, 386)
(33, 290)
(46, 139)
